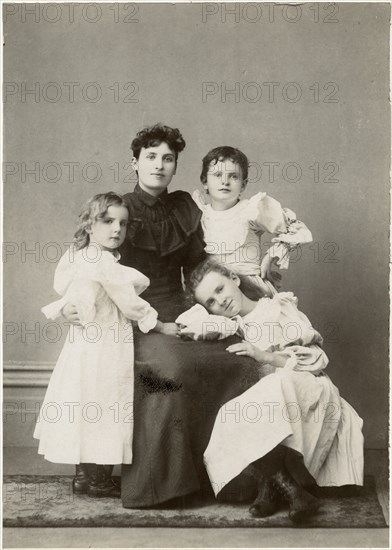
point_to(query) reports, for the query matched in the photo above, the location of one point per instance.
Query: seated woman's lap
(179, 388)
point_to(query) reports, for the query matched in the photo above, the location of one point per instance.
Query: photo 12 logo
(258, 12)
(57, 12)
(269, 92)
(70, 92)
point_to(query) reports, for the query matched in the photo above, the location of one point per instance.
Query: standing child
(86, 417)
(307, 415)
(233, 227)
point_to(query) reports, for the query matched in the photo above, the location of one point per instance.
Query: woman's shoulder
(178, 198)
(185, 210)
(181, 197)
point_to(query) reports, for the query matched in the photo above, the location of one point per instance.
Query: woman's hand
(70, 314)
(170, 329)
(245, 348)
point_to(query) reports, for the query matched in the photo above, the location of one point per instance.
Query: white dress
(87, 413)
(233, 236)
(297, 406)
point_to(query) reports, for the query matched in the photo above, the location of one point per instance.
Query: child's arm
(170, 329)
(274, 358)
(270, 217)
(298, 358)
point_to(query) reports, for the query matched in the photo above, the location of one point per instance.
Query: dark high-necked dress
(179, 385)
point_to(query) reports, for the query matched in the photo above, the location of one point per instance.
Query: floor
(376, 464)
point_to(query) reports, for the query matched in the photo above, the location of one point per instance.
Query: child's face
(156, 167)
(224, 182)
(220, 295)
(109, 232)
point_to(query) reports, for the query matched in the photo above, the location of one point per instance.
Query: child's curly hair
(155, 135)
(94, 209)
(221, 154)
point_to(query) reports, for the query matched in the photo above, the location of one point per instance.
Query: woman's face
(220, 295)
(156, 167)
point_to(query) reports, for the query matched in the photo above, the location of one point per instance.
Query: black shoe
(267, 501)
(81, 479)
(101, 484)
(302, 504)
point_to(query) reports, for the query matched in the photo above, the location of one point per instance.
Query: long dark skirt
(179, 388)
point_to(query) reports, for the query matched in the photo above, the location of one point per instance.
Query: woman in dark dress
(179, 385)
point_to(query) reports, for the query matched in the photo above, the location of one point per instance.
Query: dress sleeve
(65, 273)
(199, 324)
(306, 358)
(123, 285)
(199, 199)
(53, 310)
(195, 252)
(82, 294)
(283, 223)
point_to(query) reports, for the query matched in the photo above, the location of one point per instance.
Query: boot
(268, 499)
(264, 469)
(108, 471)
(81, 479)
(294, 464)
(101, 484)
(301, 503)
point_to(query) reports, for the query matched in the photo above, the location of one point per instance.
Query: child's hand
(274, 277)
(70, 314)
(245, 348)
(170, 329)
(196, 333)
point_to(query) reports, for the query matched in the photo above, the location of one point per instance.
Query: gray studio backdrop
(302, 90)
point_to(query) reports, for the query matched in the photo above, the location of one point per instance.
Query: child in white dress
(296, 406)
(86, 417)
(233, 227)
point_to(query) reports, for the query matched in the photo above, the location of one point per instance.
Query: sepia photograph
(196, 251)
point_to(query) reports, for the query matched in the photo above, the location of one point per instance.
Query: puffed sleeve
(123, 284)
(306, 358)
(66, 272)
(282, 222)
(198, 324)
(199, 199)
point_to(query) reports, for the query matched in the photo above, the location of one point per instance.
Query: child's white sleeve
(123, 284)
(53, 310)
(65, 273)
(198, 324)
(306, 358)
(282, 222)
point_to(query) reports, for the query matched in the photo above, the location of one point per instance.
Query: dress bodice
(164, 240)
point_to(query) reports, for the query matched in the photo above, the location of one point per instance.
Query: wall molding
(18, 374)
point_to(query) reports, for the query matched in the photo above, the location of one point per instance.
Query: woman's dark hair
(247, 286)
(224, 153)
(94, 209)
(155, 135)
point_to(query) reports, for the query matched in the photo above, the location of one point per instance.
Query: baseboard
(17, 374)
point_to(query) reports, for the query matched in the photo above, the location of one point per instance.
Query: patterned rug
(48, 501)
